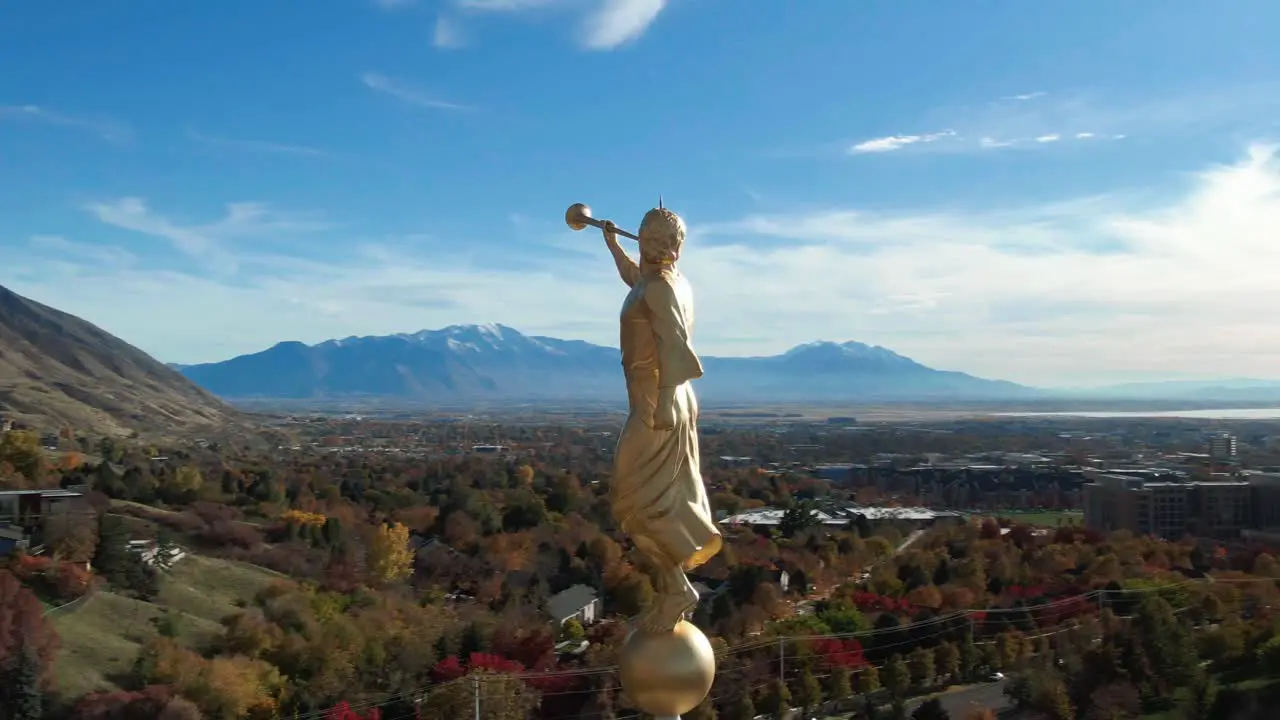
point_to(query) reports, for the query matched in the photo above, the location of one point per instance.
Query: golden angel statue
(657, 494)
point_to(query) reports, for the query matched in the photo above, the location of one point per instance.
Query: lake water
(1208, 414)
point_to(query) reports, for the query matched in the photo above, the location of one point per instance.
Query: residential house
(578, 602)
(28, 508)
(12, 539)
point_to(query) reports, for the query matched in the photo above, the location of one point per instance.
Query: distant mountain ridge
(57, 369)
(496, 362)
(1225, 390)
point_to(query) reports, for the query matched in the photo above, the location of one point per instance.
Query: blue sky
(1048, 192)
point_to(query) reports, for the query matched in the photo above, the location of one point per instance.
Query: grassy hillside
(100, 639)
(56, 369)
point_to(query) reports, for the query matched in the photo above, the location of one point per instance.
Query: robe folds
(657, 491)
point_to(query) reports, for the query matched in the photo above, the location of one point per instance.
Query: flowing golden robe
(658, 496)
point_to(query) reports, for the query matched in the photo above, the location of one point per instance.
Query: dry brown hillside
(57, 369)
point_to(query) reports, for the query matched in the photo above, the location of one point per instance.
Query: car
(995, 677)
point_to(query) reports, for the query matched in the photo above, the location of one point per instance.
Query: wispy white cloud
(1049, 294)
(406, 93)
(255, 145)
(897, 142)
(504, 5)
(73, 253)
(208, 243)
(955, 142)
(603, 24)
(447, 34)
(1025, 96)
(1023, 122)
(105, 128)
(618, 22)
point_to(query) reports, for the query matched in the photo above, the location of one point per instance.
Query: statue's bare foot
(668, 611)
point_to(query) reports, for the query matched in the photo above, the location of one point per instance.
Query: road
(960, 702)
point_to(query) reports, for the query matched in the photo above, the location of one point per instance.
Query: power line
(766, 642)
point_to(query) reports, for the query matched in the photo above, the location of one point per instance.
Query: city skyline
(1053, 196)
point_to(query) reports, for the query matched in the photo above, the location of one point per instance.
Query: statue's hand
(664, 415)
(610, 232)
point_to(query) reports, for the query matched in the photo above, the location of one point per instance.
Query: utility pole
(475, 680)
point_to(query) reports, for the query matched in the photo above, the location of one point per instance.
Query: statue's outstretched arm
(628, 270)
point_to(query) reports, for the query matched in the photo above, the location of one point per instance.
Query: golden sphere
(667, 674)
(577, 216)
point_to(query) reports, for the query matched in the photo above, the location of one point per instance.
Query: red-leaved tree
(22, 621)
(343, 711)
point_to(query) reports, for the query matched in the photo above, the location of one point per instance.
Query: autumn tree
(344, 711)
(21, 450)
(572, 631)
(71, 536)
(180, 708)
(502, 697)
(389, 556)
(23, 627)
(183, 485)
(150, 702)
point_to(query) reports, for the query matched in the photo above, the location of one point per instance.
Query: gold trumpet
(578, 216)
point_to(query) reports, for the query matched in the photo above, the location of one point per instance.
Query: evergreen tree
(22, 693)
(332, 532)
(1203, 698)
(778, 698)
(810, 691)
(166, 547)
(897, 677)
(841, 683)
(868, 679)
(112, 555)
(743, 709)
(1166, 641)
(931, 709)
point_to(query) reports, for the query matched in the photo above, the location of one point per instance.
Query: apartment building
(1168, 507)
(1266, 500)
(1223, 447)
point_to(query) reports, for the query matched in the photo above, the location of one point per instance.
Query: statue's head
(661, 236)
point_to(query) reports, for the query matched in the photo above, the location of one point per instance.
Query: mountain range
(56, 370)
(498, 363)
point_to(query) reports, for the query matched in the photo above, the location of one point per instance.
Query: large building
(1223, 447)
(1169, 507)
